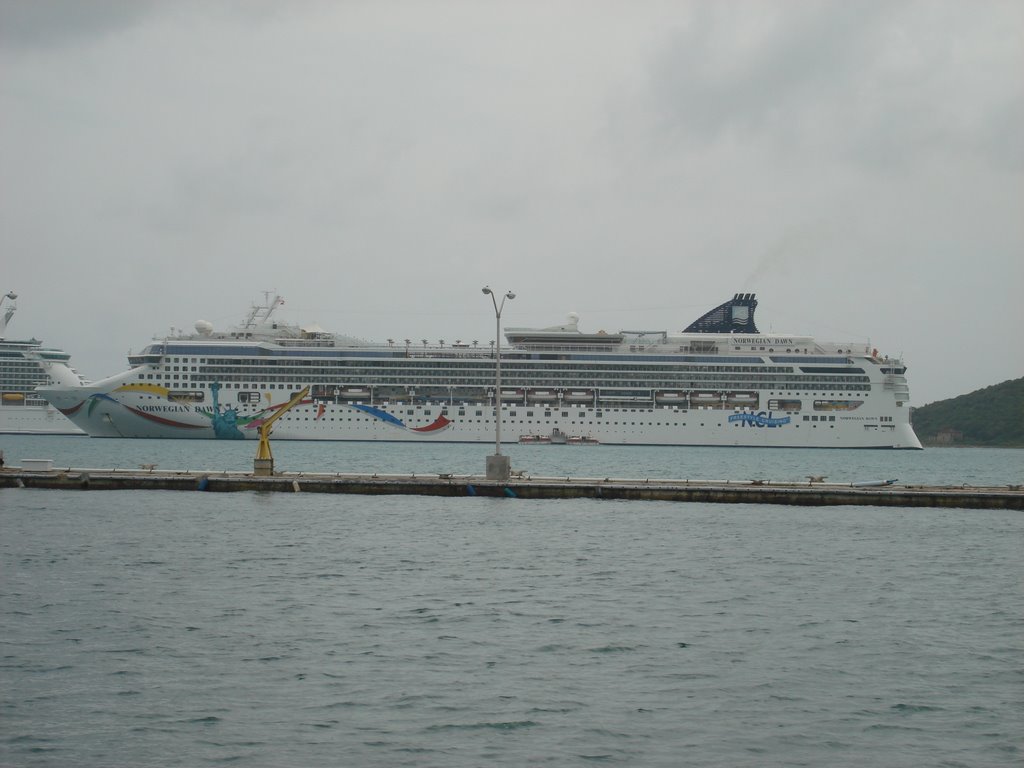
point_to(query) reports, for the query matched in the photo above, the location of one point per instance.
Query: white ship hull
(35, 420)
(121, 410)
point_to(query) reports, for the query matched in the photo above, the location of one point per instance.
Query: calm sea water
(939, 466)
(156, 628)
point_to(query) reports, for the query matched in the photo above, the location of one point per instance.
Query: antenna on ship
(11, 307)
(262, 312)
(272, 305)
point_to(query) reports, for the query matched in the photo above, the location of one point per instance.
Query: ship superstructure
(24, 365)
(719, 382)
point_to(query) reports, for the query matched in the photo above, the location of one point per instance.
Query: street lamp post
(498, 466)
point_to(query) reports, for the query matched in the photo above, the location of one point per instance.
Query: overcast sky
(858, 165)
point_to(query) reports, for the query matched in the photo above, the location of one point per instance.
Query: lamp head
(510, 295)
(486, 289)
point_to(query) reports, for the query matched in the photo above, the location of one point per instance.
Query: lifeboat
(706, 399)
(742, 399)
(578, 396)
(542, 396)
(353, 393)
(670, 396)
(511, 395)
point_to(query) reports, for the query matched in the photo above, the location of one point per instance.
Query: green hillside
(993, 416)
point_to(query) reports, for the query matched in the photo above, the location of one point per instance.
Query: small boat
(558, 437)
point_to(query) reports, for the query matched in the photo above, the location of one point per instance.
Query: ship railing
(563, 347)
(306, 342)
(454, 353)
(896, 383)
(842, 348)
(144, 358)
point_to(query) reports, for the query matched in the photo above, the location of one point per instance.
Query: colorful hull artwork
(110, 414)
(761, 419)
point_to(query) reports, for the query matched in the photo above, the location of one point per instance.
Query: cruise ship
(23, 366)
(719, 382)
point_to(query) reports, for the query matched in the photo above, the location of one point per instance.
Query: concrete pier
(523, 486)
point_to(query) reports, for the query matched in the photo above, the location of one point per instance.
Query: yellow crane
(264, 463)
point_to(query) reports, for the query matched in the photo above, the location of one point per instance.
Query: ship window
(192, 396)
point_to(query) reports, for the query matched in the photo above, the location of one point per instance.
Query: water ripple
(306, 630)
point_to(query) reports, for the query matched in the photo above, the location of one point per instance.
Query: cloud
(379, 162)
(747, 67)
(886, 83)
(28, 24)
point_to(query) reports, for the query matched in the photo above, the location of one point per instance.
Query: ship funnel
(735, 316)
